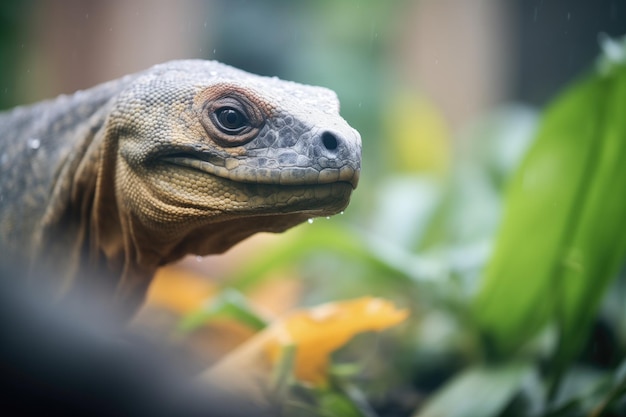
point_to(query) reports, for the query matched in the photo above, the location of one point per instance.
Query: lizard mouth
(256, 171)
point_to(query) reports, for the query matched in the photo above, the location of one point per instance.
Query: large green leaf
(477, 392)
(563, 235)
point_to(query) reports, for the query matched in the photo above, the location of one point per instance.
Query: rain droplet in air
(34, 143)
(327, 217)
(310, 221)
(341, 212)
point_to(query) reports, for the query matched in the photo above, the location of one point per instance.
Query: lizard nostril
(330, 141)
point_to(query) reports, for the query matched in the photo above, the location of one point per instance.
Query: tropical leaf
(477, 392)
(563, 236)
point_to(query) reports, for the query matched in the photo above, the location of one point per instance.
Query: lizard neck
(86, 236)
(113, 232)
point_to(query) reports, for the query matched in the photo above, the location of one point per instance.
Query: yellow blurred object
(418, 134)
(316, 333)
(180, 290)
(319, 331)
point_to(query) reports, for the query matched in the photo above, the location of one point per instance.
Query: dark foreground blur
(67, 358)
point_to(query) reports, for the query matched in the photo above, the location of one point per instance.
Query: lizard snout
(340, 154)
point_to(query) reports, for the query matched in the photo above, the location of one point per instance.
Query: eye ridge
(231, 120)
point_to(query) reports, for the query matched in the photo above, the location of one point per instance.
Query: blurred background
(446, 95)
(463, 58)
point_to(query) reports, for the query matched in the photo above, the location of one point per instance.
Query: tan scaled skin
(188, 157)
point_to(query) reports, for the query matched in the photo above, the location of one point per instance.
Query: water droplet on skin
(34, 143)
(310, 221)
(199, 258)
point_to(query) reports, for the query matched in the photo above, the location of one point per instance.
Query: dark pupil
(231, 119)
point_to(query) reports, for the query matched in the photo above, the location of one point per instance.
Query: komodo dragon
(187, 157)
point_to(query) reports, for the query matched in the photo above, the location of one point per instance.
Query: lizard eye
(229, 117)
(230, 120)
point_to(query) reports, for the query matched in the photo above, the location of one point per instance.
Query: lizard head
(208, 155)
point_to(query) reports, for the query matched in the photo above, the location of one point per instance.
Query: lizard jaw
(233, 170)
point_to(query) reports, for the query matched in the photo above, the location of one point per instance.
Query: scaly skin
(188, 157)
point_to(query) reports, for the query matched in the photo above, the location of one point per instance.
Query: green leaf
(477, 392)
(302, 242)
(337, 404)
(335, 238)
(563, 235)
(316, 402)
(229, 303)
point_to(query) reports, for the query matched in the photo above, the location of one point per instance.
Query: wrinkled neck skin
(80, 240)
(114, 242)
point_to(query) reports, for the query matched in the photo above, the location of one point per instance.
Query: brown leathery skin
(187, 157)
